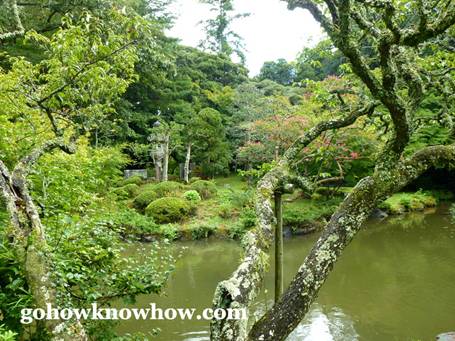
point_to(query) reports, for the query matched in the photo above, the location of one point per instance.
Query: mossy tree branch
(241, 288)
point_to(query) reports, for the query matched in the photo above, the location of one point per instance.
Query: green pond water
(396, 281)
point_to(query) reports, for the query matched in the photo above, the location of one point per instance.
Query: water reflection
(394, 282)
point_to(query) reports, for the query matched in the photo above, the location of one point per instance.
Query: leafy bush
(194, 179)
(164, 189)
(192, 196)
(206, 189)
(226, 210)
(131, 189)
(237, 231)
(170, 231)
(7, 335)
(14, 293)
(248, 218)
(137, 180)
(169, 210)
(202, 230)
(131, 222)
(143, 199)
(127, 191)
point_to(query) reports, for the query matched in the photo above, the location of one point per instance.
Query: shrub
(163, 189)
(248, 218)
(202, 230)
(131, 222)
(170, 231)
(143, 199)
(194, 179)
(226, 210)
(168, 210)
(131, 189)
(127, 191)
(237, 231)
(137, 180)
(192, 196)
(206, 189)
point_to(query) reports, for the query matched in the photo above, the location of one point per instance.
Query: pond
(396, 281)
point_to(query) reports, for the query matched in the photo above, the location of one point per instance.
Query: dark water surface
(396, 281)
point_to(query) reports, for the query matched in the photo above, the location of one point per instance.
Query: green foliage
(279, 71)
(89, 246)
(402, 202)
(318, 62)
(248, 217)
(144, 198)
(137, 180)
(192, 196)
(220, 37)
(257, 173)
(303, 212)
(7, 335)
(206, 189)
(202, 230)
(166, 188)
(128, 221)
(14, 294)
(131, 189)
(69, 183)
(169, 210)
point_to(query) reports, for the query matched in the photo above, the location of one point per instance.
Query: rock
(378, 214)
(450, 336)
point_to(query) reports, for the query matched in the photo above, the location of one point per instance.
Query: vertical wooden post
(278, 246)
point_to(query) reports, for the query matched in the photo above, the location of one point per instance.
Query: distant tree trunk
(29, 241)
(164, 176)
(186, 169)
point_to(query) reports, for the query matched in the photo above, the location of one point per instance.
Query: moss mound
(143, 199)
(169, 210)
(206, 189)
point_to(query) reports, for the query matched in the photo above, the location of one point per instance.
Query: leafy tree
(210, 148)
(318, 62)
(48, 106)
(279, 71)
(392, 88)
(220, 37)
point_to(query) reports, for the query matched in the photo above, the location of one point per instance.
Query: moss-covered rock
(169, 210)
(206, 189)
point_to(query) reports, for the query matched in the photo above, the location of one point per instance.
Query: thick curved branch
(241, 288)
(287, 313)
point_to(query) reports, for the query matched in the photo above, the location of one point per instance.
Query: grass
(408, 202)
(230, 213)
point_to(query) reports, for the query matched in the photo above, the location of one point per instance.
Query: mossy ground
(418, 201)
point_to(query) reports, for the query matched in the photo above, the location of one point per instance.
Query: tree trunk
(186, 169)
(164, 175)
(29, 242)
(278, 246)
